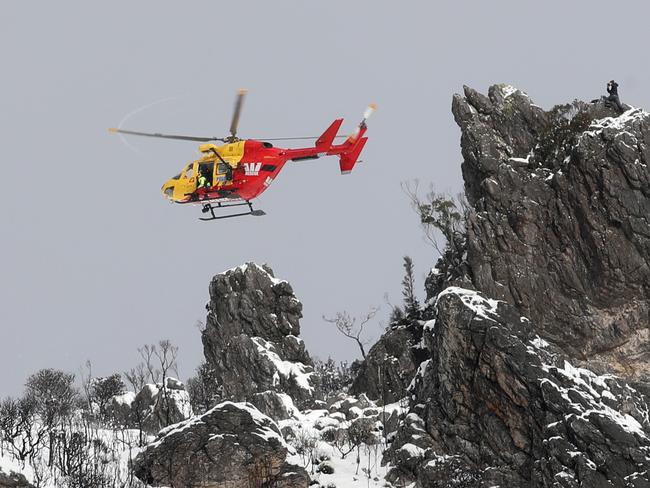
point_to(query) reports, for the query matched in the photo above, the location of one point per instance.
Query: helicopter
(240, 170)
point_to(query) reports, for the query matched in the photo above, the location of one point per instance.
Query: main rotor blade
(165, 136)
(235, 116)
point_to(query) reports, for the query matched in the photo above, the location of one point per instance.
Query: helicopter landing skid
(210, 208)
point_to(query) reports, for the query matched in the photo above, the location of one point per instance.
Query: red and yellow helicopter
(236, 172)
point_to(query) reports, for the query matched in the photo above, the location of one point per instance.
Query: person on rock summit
(612, 89)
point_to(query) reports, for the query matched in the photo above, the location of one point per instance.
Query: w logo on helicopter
(252, 169)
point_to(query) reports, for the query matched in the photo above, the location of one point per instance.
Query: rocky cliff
(251, 336)
(537, 350)
(252, 347)
(562, 232)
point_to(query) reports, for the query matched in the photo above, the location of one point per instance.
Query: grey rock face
(278, 406)
(251, 336)
(567, 238)
(504, 407)
(390, 364)
(230, 445)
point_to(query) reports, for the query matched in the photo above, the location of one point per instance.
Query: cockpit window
(188, 171)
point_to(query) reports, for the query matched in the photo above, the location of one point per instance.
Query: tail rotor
(362, 125)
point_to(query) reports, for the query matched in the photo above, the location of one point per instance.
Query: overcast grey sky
(95, 263)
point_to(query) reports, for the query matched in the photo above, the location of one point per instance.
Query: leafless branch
(349, 327)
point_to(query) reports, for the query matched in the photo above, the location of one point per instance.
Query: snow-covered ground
(340, 464)
(119, 448)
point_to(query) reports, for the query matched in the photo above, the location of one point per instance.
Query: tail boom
(348, 152)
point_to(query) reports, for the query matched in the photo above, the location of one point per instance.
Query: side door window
(223, 173)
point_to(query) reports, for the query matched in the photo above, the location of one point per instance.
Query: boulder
(390, 364)
(13, 480)
(152, 408)
(118, 409)
(278, 406)
(233, 444)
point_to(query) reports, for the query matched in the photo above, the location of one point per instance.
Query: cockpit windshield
(187, 172)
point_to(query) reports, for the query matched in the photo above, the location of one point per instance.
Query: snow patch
(485, 308)
(620, 123)
(419, 374)
(508, 90)
(520, 160)
(593, 388)
(286, 369)
(429, 326)
(539, 343)
(412, 450)
(125, 399)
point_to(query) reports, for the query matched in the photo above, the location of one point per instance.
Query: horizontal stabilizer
(348, 159)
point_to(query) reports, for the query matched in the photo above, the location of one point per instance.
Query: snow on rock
(539, 343)
(298, 372)
(598, 398)
(419, 375)
(260, 269)
(278, 406)
(412, 450)
(620, 124)
(429, 327)
(124, 399)
(485, 308)
(508, 90)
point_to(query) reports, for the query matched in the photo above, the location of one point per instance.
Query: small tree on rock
(411, 303)
(350, 328)
(441, 214)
